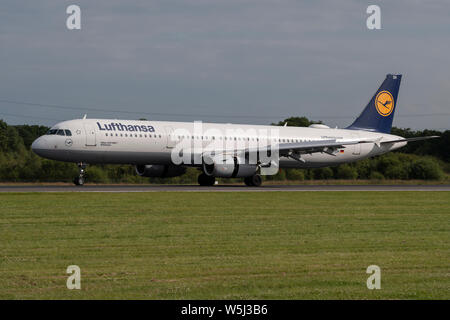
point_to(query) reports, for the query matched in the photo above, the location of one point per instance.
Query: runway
(217, 188)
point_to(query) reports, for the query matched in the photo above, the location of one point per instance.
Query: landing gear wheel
(253, 181)
(205, 180)
(79, 180)
(256, 180)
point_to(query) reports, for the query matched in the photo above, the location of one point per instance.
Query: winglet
(84, 117)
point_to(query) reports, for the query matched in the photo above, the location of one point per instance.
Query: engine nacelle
(226, 166)
(159, 170)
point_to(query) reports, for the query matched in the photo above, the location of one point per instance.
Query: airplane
(166, 149)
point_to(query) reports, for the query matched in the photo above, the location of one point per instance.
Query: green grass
(261, 245)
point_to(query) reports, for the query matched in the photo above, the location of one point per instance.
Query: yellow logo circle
(384, 102)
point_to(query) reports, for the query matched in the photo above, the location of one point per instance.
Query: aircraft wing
(327, 146)
(323, 145)
(313, 146)
(295, 149)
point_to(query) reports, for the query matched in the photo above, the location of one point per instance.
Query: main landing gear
(253, 181)
(205, 180)
(79, 180)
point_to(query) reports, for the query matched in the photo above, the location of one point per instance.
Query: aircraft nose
(39, 145)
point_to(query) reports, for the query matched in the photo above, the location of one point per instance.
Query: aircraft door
(90, 135)
(171, 142)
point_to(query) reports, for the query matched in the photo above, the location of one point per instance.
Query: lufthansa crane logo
(384, 102)
(69, 142)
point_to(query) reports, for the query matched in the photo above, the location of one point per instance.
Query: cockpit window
(59, 132)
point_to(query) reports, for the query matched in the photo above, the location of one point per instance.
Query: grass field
(265, 245)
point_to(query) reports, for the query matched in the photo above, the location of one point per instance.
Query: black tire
(205, 180)
(211, 181)
(253, 181)
(78, 181)
(201, 179)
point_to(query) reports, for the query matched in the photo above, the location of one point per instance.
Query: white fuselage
(152, 142)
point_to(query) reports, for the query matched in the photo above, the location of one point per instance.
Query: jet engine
(159, 171)
(227, 166)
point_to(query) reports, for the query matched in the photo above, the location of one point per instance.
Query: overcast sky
(241, 61)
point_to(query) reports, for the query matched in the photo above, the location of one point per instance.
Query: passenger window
(60, 133)
(68, 133)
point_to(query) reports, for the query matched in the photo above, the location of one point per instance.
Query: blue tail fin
(379, 113)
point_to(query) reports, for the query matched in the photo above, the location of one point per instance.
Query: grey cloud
(227, 57)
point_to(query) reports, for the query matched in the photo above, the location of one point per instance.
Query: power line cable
(28, 116)
(102, 110)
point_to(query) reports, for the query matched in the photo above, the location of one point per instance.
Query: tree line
(424, 160)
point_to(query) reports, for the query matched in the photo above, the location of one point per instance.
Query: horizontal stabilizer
(411, 139)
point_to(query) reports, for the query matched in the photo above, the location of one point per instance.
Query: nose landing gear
(79, 180)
